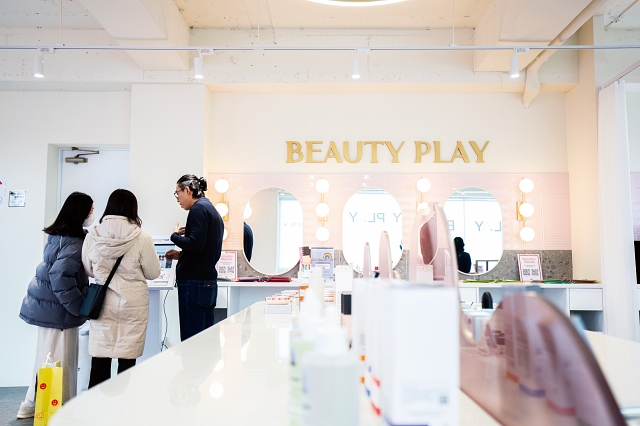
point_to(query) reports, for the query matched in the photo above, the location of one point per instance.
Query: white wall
(633, 123)
(168, 139)
(30, 122)
(249, 131)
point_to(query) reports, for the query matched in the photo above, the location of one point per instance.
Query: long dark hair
(74, 211)
(197, 185)
(123, 203)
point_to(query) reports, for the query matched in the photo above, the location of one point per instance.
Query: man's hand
(178, 229)
(172, 254)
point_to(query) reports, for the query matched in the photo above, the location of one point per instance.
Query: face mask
(88, 221)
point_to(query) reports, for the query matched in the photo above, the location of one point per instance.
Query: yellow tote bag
(49, 392)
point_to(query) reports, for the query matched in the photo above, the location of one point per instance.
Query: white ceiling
(293, 14)
(623, 15)
(45, 14)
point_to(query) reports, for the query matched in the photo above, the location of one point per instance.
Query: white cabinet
(222, 300)
(585, 299)
(468, 294)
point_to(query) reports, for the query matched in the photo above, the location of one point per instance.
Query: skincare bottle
(303, 276)
(302, 341)
(316, 283)
(330, 378)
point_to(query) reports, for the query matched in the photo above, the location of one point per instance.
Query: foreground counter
(236, 373)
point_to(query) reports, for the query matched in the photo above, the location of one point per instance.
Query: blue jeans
(196, 300)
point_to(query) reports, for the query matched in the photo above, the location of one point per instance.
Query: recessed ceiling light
(356, 3)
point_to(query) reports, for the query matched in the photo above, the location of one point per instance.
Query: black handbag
(94, 299)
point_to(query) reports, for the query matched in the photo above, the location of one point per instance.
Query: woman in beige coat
(121, 329)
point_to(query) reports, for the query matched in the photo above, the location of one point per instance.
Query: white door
(98, 177)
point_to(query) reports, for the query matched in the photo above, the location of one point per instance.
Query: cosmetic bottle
(330, 379)
(303, 276)
(302, 341)
(316, 283)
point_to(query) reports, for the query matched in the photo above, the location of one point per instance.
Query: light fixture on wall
(514, 68)
(322, 210)
(525, 210)
(423, 185)
(222, 186)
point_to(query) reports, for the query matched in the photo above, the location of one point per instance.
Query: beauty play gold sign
(320, 152)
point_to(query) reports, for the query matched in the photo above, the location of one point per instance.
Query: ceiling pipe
(532, 82)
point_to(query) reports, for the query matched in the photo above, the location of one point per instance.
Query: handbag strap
(113, 271)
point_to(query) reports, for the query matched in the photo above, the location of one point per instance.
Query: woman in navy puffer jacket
(55, 294)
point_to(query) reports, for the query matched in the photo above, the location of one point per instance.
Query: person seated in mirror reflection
(247, 241)
(464, 259)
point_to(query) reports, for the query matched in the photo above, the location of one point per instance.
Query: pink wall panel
(550, 197)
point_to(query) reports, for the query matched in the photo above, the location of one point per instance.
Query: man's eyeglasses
(175, 194)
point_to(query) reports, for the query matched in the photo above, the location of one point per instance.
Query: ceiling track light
(355, 67)
(197, 67)
(514, 68)
(38, 66)
(38, 61)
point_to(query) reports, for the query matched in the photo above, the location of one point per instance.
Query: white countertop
(236, 373)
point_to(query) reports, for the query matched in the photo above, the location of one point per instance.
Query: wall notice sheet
(530, 269)
(227, 266)
(2, 185)
(17, 198)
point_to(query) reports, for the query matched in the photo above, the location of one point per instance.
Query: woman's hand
(178, 229)
(172, 254)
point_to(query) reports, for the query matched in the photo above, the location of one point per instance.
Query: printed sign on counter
(2, 185)
(529, 265)
(227, 266)
(18, 198)
(323, 257)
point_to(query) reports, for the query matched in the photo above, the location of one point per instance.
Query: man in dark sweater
(201, 244)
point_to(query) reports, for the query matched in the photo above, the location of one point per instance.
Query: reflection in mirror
(366, 214)
(475, 223)
(272, 232)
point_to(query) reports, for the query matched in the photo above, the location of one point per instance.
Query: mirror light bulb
(423, 185)
(221, 186)
(526, 185)
(526, 209)
(322, 234)
(322, 186)
(247, 211)
(222, 209)
(527, 234)
(322, 210)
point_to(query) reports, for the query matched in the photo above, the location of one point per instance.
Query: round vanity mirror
(475, 223)
(272, 231)
(366, 214)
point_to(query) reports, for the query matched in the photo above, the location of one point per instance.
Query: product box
(419, 349)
